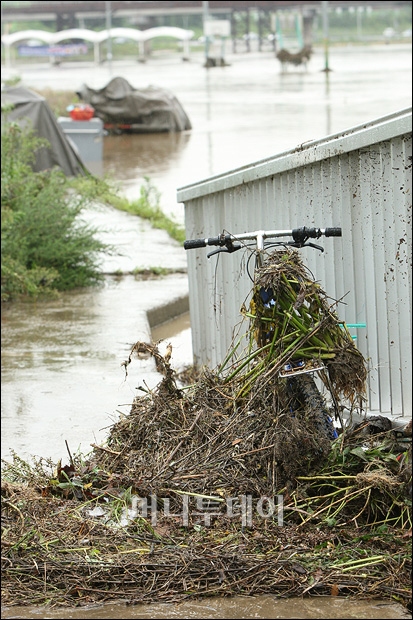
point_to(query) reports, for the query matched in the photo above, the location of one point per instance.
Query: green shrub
(45, 245)
(147, 207)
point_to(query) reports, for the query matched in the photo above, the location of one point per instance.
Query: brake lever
(314, 245)
(299, 244)
(229, 249)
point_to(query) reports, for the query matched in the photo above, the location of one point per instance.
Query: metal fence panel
(359, 180)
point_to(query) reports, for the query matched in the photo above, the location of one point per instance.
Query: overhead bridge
(52, 39)
(67, 13)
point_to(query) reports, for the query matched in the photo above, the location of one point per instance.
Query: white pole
(325, 35)
(108, 28)
(96, 51)
(8, 56)
(206, 17)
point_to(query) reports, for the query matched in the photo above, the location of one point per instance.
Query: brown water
(61, 360)
(54, 388)
(250, 110)
(242, 113)
(228, 608)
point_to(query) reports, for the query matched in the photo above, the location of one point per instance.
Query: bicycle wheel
(307, 397)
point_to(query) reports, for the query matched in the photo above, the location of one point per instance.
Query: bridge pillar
(233, 31)
(308, 21)
(65, 21)
(247, 28)
(142, 54)
(96, 52)
(264, 19)
(185, 44)
(234, 28)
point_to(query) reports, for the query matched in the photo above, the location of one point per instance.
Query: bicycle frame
(344, 370)
(298, 238)
(230, 243)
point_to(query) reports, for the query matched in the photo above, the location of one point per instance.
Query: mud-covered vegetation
(183, 500)
(208, 489)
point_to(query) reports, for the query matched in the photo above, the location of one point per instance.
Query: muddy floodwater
(229, 608)
(62, 378)
(241, 113)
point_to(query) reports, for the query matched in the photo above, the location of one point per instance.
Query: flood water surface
(61, 360)
(250, 110)
(240, 113)
(228, 609)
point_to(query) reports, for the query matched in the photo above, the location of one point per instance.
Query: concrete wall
(359, 180)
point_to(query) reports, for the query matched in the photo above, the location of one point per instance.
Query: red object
(82, 112)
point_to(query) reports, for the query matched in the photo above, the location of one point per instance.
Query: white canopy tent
(140, 36)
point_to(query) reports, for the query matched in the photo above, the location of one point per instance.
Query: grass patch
(147, 207)
(150, 273)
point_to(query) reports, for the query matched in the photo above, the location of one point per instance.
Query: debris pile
(295, 58)
(218, 488)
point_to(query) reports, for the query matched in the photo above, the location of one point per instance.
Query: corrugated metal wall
(359, 180)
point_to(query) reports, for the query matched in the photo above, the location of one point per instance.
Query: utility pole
(108, 28)
(205, 6)
(325, 35)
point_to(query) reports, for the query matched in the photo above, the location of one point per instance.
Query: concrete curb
(167, 311)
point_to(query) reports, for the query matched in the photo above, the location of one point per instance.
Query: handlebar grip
(332, 232)
(191, 244)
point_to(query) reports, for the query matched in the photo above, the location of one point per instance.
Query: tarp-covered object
(31, 110)
(144, 110)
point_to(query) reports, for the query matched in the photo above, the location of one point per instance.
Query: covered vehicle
(30, 110)
(124, 108)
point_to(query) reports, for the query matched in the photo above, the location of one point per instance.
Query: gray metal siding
(359, 180)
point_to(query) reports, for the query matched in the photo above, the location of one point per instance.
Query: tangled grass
(221, 487)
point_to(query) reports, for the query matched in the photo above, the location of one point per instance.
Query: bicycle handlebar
(332, 232)
(191, 244)
(299, 235)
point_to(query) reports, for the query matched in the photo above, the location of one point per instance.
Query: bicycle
(294, 333)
